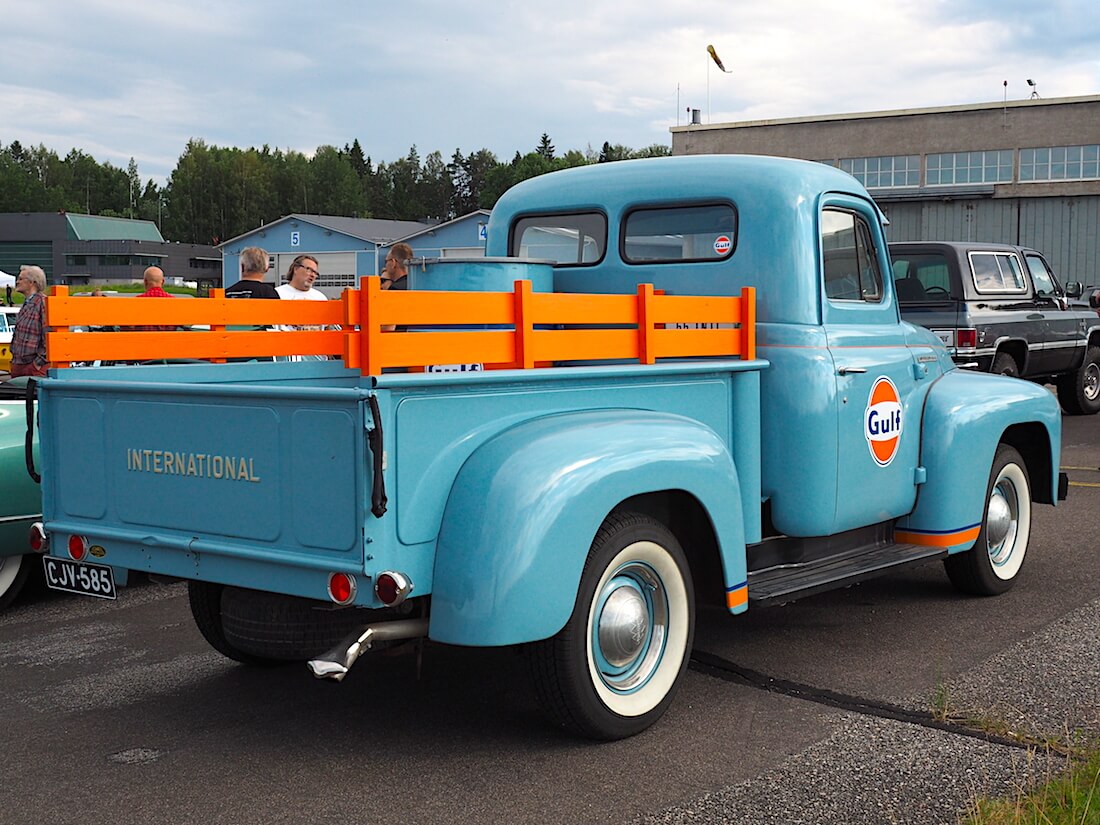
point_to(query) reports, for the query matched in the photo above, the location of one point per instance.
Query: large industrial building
(90, 249)
(1021, 171)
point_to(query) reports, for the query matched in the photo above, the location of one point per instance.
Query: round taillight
(342, 588)
(392, 588)
(38, 539)
(78, 546)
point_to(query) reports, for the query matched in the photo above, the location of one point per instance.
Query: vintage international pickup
(670, 382)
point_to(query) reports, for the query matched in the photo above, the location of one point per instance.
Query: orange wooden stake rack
(520, 329)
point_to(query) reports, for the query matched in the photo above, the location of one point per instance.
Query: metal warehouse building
(92, 249)
(1023, 171)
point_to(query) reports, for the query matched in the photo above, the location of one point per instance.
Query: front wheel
(1079, 392)
(614, 668)
(990, 567)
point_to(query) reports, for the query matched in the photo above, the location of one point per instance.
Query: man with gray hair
(28, 340)
(253, 269)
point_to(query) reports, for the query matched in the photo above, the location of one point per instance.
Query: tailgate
(263, 472)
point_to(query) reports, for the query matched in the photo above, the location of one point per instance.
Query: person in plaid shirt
(28, 340)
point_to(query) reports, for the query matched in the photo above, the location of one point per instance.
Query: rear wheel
(278, 628)
(1005, 364)
(14, 571)
(206, 601)
(991, 566)
(614, 668)
(1079, 392)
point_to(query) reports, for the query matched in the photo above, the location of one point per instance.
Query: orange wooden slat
(142, 346)
(685, 343)
(580, 344)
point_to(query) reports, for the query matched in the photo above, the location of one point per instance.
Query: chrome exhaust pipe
(335, 664)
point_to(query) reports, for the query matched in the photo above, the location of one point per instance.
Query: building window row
(112, 260)
(1060, 163)
(953, 168)
(1052, 163)
(894, 170)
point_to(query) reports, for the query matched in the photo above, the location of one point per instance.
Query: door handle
(850, 371)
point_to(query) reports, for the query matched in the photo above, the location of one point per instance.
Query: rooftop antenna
(1034, 89)
(1004, 123)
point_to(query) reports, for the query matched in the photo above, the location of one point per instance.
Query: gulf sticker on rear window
(722, 245)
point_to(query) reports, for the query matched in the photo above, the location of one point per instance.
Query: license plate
(96, 580)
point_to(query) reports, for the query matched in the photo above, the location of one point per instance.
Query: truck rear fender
(966, 416)
(526, 505)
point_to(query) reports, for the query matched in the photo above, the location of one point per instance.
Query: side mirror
(1094, 299)
(1074, 289)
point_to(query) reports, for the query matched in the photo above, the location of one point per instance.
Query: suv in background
(999, 308)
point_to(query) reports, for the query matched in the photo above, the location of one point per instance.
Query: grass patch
(1072, 798)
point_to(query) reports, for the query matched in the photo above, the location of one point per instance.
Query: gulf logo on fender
(882, 421)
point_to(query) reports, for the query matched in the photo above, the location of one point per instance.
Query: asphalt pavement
(818, 711)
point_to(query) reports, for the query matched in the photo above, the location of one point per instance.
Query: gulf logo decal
(882, 421)
(722, 244)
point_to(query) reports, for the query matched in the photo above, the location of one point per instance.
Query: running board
(787, 582)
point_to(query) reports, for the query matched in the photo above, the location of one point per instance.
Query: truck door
(880, 383)
(1063, 331)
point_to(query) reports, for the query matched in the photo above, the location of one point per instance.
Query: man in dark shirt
(253, 269)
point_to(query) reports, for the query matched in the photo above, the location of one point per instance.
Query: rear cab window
(923, 276)
(574, 239)
(675, 234)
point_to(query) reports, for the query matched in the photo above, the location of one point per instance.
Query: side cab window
(849, 257)
(1041, 276)
(997, 272)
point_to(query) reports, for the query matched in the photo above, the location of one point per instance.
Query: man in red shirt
(154, 284)
(154, 288)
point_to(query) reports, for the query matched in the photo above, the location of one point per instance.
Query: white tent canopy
(6, 279)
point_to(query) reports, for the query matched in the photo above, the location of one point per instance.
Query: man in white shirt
(299, 287)
(299, 281)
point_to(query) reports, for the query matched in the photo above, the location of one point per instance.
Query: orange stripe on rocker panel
(938, 539)
(738, 597)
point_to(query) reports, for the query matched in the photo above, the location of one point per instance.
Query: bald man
(154, 284)
(154, 288)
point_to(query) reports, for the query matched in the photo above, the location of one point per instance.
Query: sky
(134, 78)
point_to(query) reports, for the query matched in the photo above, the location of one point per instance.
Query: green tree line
(216, 193)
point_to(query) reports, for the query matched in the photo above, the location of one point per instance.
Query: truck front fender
(526, 505)
(967, 414)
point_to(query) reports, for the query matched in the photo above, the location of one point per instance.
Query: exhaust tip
(326, 669)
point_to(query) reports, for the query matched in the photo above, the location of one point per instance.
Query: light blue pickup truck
(579, 504)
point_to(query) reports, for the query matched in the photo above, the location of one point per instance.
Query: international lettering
(197, 465)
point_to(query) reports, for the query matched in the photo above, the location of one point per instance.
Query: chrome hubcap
(1001, 521)
(623, 626)
(630, 627)
(1092, 382)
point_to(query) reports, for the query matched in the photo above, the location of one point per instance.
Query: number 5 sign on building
(295, 238)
